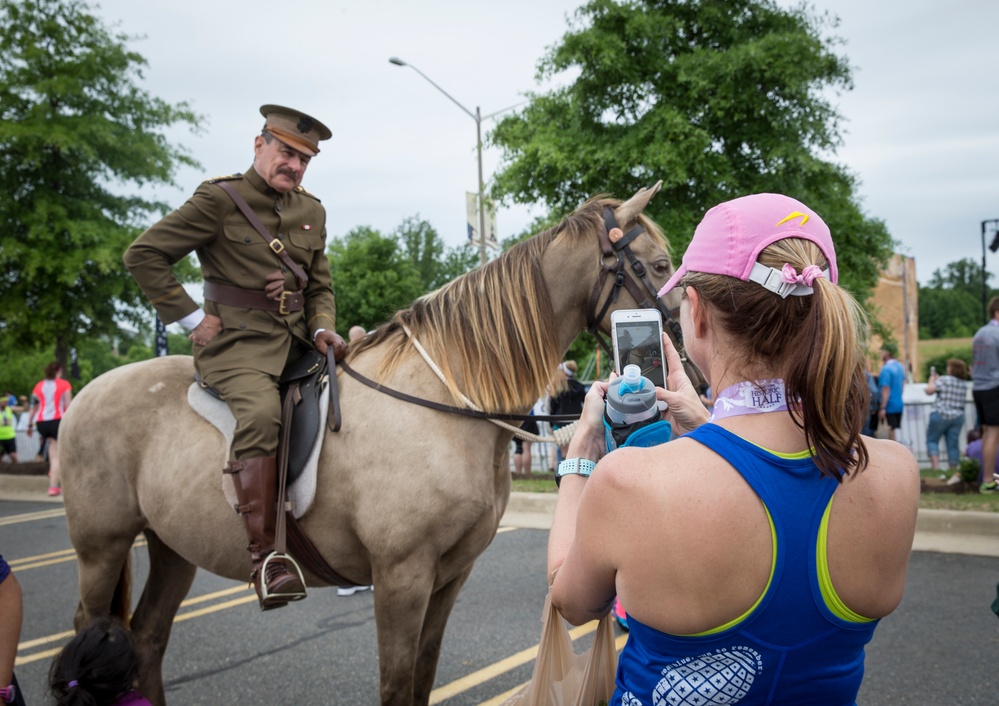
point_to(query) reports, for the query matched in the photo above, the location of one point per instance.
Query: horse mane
(493, 327)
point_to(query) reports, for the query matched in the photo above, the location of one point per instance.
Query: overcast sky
(921, 130)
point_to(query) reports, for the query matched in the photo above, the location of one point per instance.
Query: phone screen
(638, 343)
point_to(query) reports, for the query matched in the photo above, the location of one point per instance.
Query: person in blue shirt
(891, 380)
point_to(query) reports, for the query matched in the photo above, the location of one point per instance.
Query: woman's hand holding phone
(686, 411)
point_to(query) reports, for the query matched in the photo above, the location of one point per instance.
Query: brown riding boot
(276, 577)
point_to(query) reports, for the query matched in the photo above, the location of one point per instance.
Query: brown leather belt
(289, 302)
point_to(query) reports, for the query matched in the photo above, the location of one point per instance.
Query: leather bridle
(636, 281)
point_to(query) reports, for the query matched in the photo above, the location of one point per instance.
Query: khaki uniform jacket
(232, 252)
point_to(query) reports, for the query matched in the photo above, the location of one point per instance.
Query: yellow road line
(215, 608)
(29, 644)
(31, 516)
(497, 700)
(63, 555)
(15, 563)
(495, 669)
(20, 661)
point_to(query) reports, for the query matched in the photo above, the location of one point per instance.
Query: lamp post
(993, 246)
(478, 118)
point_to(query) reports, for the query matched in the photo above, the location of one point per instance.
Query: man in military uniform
(265, 304)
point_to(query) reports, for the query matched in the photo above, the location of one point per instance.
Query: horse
(409, 516)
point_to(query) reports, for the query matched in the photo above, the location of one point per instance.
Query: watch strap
(574, 466)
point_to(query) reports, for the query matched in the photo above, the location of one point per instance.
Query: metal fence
(916, 417)
(911, 434)
(27, 446)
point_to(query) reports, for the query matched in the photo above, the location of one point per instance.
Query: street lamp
(478, 118)
(993, 246)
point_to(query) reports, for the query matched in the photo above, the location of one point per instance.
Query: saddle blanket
(302, 492)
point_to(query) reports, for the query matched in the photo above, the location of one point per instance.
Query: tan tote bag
(563, 678)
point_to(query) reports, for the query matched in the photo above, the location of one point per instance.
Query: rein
(450, 409)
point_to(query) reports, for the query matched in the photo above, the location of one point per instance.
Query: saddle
(301, 386)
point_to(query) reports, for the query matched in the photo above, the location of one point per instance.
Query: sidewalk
(946, 531)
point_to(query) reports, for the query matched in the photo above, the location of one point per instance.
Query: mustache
(288, 173)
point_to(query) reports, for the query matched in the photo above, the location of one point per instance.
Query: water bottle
(630, 409)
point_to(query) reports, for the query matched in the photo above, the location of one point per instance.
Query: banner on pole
(161, 339)
(491, 240)
(472, 219)
(472, 216)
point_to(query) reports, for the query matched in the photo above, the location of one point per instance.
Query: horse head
(639, 265)
(497, 333)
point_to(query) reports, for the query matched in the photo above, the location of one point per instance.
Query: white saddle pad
(302, 492)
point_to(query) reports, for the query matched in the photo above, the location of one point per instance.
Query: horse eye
(662, 267)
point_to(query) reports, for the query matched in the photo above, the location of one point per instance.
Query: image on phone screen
(638, 343)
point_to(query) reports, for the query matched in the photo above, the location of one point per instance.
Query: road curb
(948, 531)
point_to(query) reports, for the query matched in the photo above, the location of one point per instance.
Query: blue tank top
(797, 645)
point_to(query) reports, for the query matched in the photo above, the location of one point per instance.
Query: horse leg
(170, 578)
(402, 596)
(104, 575)
(441, 603)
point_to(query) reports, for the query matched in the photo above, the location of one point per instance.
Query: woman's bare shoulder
(891, 476)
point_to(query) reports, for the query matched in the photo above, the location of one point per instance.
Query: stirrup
(275, 600)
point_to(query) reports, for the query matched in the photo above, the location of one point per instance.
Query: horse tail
(121, 602)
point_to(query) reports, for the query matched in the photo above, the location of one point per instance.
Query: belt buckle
(277, 246)
(281, 302)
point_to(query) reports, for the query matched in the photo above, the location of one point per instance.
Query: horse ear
(630, 209)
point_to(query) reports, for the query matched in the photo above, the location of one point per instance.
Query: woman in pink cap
(756, 554)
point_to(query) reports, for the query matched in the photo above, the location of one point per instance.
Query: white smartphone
(638, 339)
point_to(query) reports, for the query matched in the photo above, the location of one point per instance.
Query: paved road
(940, 647)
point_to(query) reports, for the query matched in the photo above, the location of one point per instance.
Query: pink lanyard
(750, 397)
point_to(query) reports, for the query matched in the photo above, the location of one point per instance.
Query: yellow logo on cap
(792, 216)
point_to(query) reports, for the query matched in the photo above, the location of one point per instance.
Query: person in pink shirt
(50, 400)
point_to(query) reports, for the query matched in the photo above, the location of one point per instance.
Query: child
(98, 667)
(974, 450)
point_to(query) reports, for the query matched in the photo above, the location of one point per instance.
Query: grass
(537, 483)
(940, 346)
(936, 348)
(980, 502)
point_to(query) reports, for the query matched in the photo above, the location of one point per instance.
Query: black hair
(97, 667)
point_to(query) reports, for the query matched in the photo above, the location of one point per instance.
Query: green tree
(951, 305)
(963, 275)
(373, 278)
(948, 313)
(718, 98)
(76, 130)
(434, 261)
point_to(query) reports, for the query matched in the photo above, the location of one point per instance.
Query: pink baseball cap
(733, 234)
